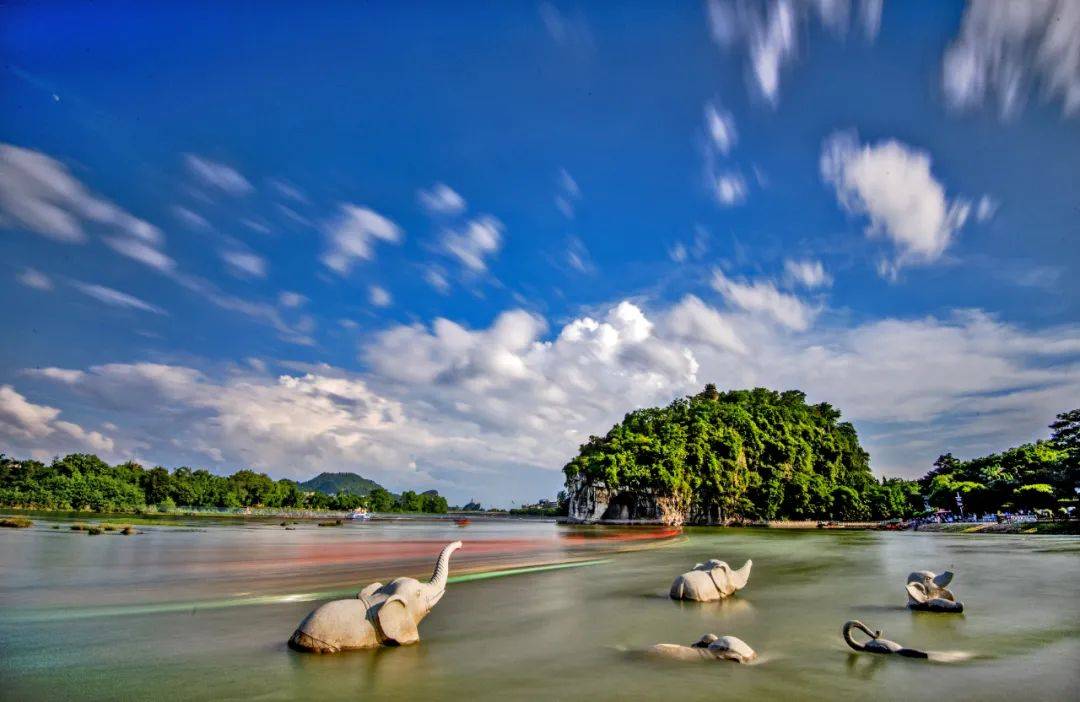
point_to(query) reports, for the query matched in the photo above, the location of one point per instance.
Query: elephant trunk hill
(715, 458)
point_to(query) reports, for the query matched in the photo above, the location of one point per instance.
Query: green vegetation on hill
(1041, 475)
(761, 454)
(333, 483)
(84, 482)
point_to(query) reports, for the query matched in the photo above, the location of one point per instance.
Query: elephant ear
(917, 592)
(396, 622)
(944, 579)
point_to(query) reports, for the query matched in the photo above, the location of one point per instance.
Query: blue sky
(442, 246)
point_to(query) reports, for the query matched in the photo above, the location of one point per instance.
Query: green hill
(333, 483)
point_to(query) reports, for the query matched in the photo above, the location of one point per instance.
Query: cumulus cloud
(892, 185)
(472, 244)
(39, 194)
(379, 296)
(1006, 50)
(26, 425)
(506, 403)
(768, 32)
(809, 274)
(244, 264)
(441, 199)
(217, 175)
(353, 234)
(762, 298)
(35, 279)
(115, 298)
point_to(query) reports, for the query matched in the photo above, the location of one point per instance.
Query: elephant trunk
(742, 575)
(437, 585)
(848, 626)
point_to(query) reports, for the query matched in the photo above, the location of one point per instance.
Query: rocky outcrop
(595, 503)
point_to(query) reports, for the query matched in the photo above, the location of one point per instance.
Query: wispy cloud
(116, 298)
(352, 235)
(441, 199)
(472, 244)
(218, 175)
(35, 279)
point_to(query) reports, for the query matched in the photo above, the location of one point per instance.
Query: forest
(85, 482)
(764, 455)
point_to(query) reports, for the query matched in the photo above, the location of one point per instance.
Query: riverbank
(1063, 527)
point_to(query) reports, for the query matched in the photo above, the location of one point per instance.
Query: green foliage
(743, 454)
(334, 483)
(84, 482)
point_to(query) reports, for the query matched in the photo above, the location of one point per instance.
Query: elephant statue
(876, 644)
(709, 647)
(379, 615)
(927, 592)
(710, 581)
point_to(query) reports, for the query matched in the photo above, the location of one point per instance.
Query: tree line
(764, 455)
(82, 481)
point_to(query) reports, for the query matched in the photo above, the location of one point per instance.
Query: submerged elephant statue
(876, 644)
(710, 581)
(380, 615)
(709, 647)
(927, 592)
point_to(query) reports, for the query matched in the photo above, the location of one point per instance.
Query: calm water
(192, 614)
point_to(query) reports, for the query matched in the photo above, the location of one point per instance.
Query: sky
(442, 245)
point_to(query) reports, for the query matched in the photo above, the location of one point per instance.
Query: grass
(15, 522)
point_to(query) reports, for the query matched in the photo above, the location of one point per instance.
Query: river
(202, 611)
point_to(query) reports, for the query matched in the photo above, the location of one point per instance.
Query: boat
(359, 513)
(463, 521)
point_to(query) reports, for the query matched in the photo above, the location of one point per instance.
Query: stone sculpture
(710, 581)
(709, 647)
(927, 592)
(380, 615)
(876, 644)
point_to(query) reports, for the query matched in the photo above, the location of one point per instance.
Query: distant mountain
(333, 483)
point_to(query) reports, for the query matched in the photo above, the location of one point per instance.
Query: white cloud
(694, 321)
(379, 296)
(762, 297)
(191, 218)
(571, 30)
(288, 190)
(493, 405)
(436, 278)
(567, 194)
(1007, 49)
(985, 208)
(721, 127)
(244, 264)
(115, 298)
(577, 255)
(218, 175)
(24, 424)
(142, 252)
(768, 32)
(809, 274)
(729, 189)
(39, 194)
(441, 199)
(291, 300)
(353, 234)
(892, 185)
(475, 242)
(35, 279)
(678, 252)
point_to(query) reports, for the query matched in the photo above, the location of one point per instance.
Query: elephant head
(876, 644)
(709, 581)
(380, 615)
(708, 647)
(927, 592)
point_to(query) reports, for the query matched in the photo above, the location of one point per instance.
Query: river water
(202, 611)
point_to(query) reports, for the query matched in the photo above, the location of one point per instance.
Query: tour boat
(360, 513)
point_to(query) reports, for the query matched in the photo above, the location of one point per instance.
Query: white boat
(359, 513)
